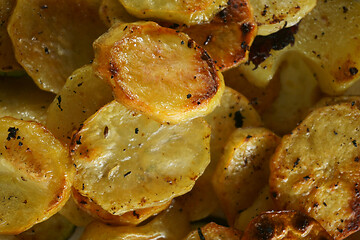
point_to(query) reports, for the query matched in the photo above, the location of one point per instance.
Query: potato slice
(139, 59)
(172, 224)
(8, 62)
(213, 231)
(130, 218)
(89, 93)
(21, 98)
(36, 175)
(52, 38)
(244, 169)
(285, 225)
(126, 161)
(311, 173)
(271, 16)
(329, 101)
(72, 212)
(112, 11)
(189, 12)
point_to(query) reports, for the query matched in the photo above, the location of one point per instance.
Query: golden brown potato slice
(72, 212)
(189, 12)
(112, 11)
(82, 95)
(52, 38)
(316, 169)
(271, 16)
(213, 231)
(36, 175)
(285, 225)
(234, 112)
(8, 62)
(126, 161)
(21, 98)
(141, 62)
(243, 169)
(130, 218)
(329, 101)
(172, 224)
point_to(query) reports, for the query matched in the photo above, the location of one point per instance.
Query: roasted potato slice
(130, 218)
(52, 38)
(329, 101)
(36, 175)
(243, 169)
(172, 224)
(126, 161)
(8, 62)
(72, 212)
(89, 93)
(213, 231)
(21, 98)
(189, 12)
(271, 16)
(139, 59)
(112, 11)
(285, 225)
(316, 169)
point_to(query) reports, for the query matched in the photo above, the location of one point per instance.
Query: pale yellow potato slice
(234, 112)
(126, 161)
(189, 12)
(172, 224)
(316, 169)
(271, 16)
(243, 169)
(112, 11)
(285, 225)
(52, 38)
(142, 64)
(82, 95)
(213, 231)
(329, 101)
(8, 62)
(21, 98)
(36, 175)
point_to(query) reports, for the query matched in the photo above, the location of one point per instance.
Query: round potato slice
(52, 38)
(285, 225)
(141, 62)
(214, 231)
(36, 175)
(126, 161)
(189, 12)
(316, 169)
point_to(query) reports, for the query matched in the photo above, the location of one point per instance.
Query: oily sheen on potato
(141, 62)
(316, 169)
(126, 161)
(36, 175)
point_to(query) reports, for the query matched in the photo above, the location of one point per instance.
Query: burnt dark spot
(78, 141)
(12, 133)
(190, 43)
(113, 69)
(264, 230)
(126, 174)
(205, 56)
(356, 159)
(306, 178)
(245, 46)
(296, 162)
(301, 222)
(239, 119)
(246, 28)
(174, 26)
(248, 136)
(201, 235)
(353, 71)
(46, 50)
(354, 143)
(106, 131)
(223, 15)
(188, 96)
(20, 144)
(135, 214)
(136, 130)
(345, 9)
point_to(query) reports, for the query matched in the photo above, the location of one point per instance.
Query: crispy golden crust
(141, 62)
(316, 169)
(284, 225)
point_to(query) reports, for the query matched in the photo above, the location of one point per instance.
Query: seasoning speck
(12, 133)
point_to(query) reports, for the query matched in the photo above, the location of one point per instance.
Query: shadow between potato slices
(141, 62)
(126, 161)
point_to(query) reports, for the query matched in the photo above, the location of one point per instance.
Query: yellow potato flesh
(126, 161)
(52, 38)
(189, 12)
(112, 11)
(36, 175)
(141, 62)
(214, 231)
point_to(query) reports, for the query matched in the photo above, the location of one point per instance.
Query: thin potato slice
(316, 169)
(52, 38)
(285, 225)
(271, 16)
(8, 62)
(82, 95)
(141, 62)
(189, 12)
(244, 169)
(130, 218)
(172, 224)
(21, 98)
(126, 161)
(36, 175)
(213, 231)
(112, 11)
(329, 101)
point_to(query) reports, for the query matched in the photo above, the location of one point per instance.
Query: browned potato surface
(213, 231)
